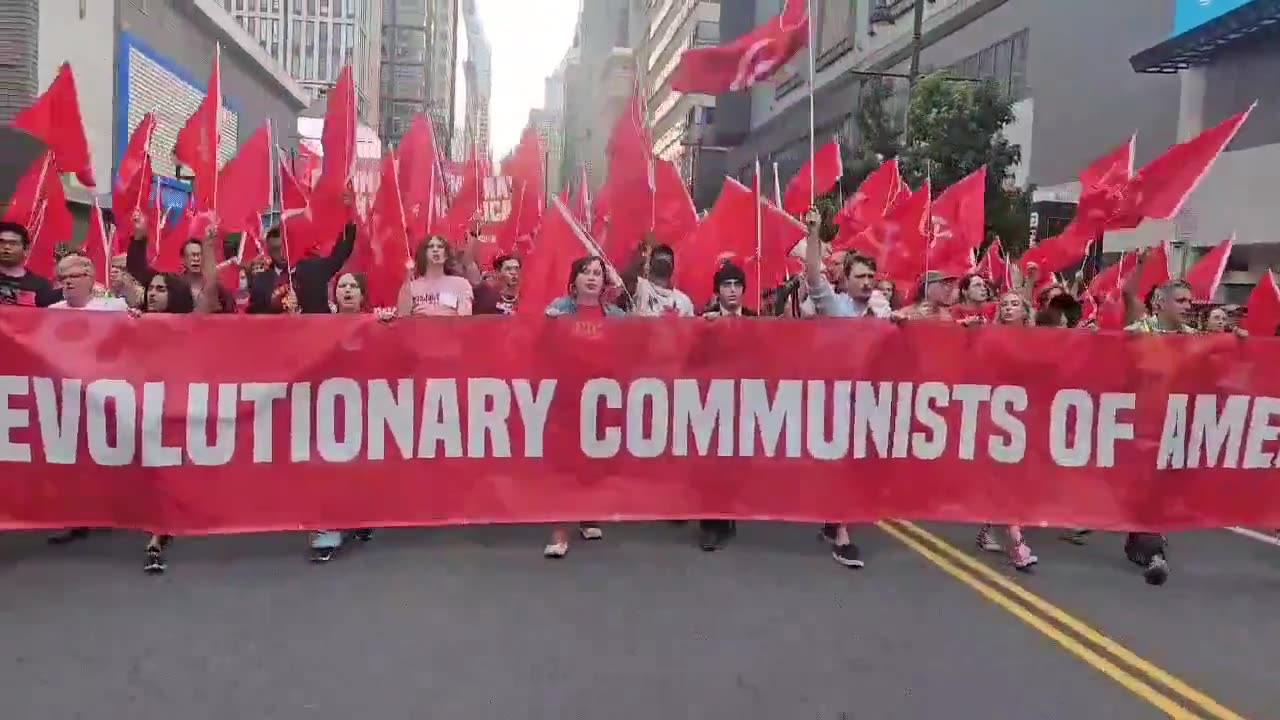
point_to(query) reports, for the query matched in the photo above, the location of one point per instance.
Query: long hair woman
(585, 295)
(435, 290)
(350, 297)
(1012, 309)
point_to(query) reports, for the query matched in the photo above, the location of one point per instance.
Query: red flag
(297, 234)
(246, 182)
(421, 179)
(54, 118)
(338, 138)
(1102, 172)
(169, 252)
(1102, 185)
(39, 203)
(675, 217)
(1111, 314)
(1205, 276)
(384, 255)
(1112, 277)
(629, 186)
(1060, 251)
(1155, 271)
(1160, 188)
(197, 145)
(470, 198)
(136, 153)
(94, 245)
(897, 241)
(306, 166)
(524, 167)
(959, 223)
(581, 207)
(748, 60)
(1262, 310)
(134, 196)
(873, 198)
(993, 267)
(816, 177)
(560, 241)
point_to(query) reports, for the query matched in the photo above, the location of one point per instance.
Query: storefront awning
(1202, 44)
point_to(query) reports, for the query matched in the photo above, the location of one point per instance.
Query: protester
(435, 289)
(19, 286)
(730, 283)
(350, 297)
(648, 281)
(974, 297)
(1216, 320)
(75, 274)
(499, 295)
(277, 288)
(139, 266)
(588, 281)
(935, 295)
(860, 300)
(123, 285)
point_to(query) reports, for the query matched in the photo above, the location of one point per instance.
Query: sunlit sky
(529, 39)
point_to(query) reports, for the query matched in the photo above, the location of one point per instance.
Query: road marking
(1255, 535)
(1208, 704)
(1165, 703)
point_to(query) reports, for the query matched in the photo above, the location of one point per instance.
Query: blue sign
(1191, 14)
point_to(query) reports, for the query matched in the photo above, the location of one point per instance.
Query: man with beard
(18, 285)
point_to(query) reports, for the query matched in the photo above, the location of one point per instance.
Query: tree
(954, 129)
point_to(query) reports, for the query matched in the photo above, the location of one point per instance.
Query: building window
(349, 42)
(351, 8)
(295, 56)
(1005, 63)
(240, 4)
(335, 57)
(309, 54)
(835, 25)
(275, 39)
(322, 56)
(324, 7)
(311, 7)
(275, 6)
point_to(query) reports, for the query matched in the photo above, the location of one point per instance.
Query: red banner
(213, 424)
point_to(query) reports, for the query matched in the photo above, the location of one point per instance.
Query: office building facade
(314, 39)
(478, 69)
(412, 81)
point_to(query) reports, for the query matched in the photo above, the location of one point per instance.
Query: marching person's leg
(324, 543)
(843, 550)
(1150, 550)
(156, 545)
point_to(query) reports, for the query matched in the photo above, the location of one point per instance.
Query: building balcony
(888, 11)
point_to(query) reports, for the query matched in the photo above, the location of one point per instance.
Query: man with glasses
(19, 286)
(75, 274)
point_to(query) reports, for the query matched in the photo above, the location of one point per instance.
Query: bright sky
(529, 39)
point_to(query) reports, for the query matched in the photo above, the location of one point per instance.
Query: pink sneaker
(1022, 558)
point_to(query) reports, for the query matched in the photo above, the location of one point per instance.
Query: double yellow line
(1175, 698)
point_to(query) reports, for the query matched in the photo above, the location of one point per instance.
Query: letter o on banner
(124, 406)
(328, 444)
(1064, 453)
(648, 391)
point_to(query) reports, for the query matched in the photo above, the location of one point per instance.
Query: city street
(473, 623)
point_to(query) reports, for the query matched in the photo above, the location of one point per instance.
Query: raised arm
(210, 297)
(135, 260)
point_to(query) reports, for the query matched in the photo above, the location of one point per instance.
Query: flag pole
(777, 187)
(759, 234)
(217, 122)
(813, 182)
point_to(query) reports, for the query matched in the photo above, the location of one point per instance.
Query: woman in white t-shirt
(435, 290)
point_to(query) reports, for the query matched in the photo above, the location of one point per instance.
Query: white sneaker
(985, 542)
(591, 532)
(556, 550)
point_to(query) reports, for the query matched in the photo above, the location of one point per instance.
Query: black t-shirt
(28, 290)
(490, 301)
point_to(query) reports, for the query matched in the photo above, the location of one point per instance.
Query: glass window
(311, 7)
(1018, 66)
(834, 23)
(297, 7)
(1003, 65)
(251, 25)
(351, 8)
(348, 42)
(987, 63)
(275, 6)
(226, 4)
(322, 57)
(240, 4)
(324, 7)
(335, 57)
(295, 55)
(309, 55)
(275, 39)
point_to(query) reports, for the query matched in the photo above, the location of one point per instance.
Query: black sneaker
(828, 533)
(1078, 536)
(155, 562)
(847, 555)
(322, 555)
(69, 536)
(711, 540)
(1157, 571)
(364, 535)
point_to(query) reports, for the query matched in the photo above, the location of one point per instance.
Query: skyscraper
(314, 39)
(479, 71)
(418, 75)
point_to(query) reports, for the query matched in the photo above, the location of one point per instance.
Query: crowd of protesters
(445, 282)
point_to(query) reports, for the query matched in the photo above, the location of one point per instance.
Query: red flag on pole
(629, 186)
(1205, 276)
(39, 203)
(959, 223)
(94, 246)
(1112, 278)
(1262, 310)
(197, 145)
(54, 118)
(824, 168)
(246, 182)
(1160, 188)
(420, 176)
(873, 198)
(384, 254)
(136, 155)
(560, 241)
(338, 138)
(1155, 270)
(675, 217)
(748, 60)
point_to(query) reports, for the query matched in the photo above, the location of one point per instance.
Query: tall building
(479, 73)
(412, 82)
(1224, 55)
(600, 75)
(680, 123)
(314, 39)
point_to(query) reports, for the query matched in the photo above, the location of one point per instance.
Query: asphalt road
(473, 623)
